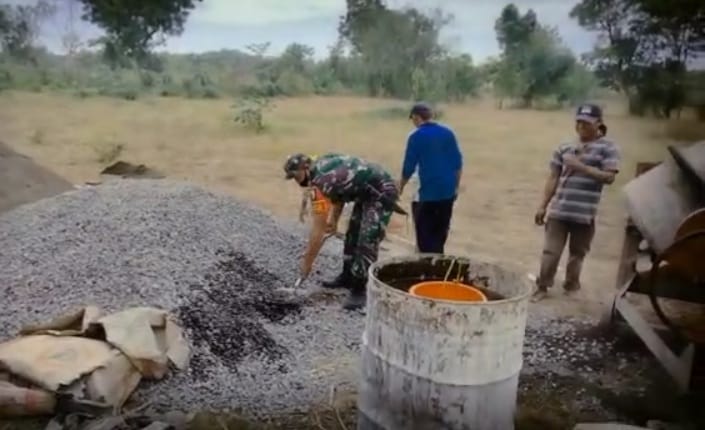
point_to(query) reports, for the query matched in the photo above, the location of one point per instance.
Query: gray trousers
(579, 237)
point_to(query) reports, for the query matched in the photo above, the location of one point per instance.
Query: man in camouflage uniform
(343, 179)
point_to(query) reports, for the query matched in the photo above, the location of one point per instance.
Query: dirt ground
(506, 156)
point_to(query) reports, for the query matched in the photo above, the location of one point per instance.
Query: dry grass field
(506, 155)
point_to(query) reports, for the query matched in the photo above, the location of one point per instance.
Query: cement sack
(99, 358)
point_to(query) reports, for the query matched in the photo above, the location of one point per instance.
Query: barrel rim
(415, 257)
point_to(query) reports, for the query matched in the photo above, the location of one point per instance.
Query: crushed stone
(213, 261)
(219, 264)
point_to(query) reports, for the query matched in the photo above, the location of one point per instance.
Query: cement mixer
(662, 256)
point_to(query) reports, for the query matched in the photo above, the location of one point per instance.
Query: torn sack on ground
(96, 357)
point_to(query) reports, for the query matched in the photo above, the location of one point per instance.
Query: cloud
(217, 24)
(264, 12)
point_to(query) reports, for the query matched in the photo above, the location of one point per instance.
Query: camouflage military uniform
(344, 179)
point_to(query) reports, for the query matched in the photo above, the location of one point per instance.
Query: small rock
(178, 420)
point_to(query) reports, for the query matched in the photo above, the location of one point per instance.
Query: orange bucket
(446, 290)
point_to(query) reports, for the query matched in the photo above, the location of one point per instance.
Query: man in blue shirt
(432, 149)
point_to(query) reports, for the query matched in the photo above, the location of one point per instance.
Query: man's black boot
(340, 281)
(357, 299)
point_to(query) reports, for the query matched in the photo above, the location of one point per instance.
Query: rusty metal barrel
(438, 364)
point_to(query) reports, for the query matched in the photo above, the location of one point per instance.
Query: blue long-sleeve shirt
(434, 150)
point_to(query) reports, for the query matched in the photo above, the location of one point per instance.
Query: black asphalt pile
(225, 314)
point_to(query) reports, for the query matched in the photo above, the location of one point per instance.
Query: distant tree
(619, 45)
(296, 57)
(71, 40)
(359, 17)
(644, 48)
(676, 30)
(533, 59)
(458, 79)
(514, 30)
(133, 27)
(395, 46)
(20, 27)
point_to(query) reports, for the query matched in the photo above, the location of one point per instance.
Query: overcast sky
(233, 24)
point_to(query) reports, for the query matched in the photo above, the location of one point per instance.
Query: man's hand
(573, 162)
(400, 186)
(540, 217)
(306, 266)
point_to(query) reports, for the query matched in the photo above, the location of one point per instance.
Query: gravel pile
(216, 263)
(213, 261)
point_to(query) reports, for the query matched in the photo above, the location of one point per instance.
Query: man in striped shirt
(578, 172)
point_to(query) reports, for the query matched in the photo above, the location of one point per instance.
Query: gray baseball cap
(589, 113)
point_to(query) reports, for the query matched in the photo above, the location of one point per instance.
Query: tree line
(644, 51)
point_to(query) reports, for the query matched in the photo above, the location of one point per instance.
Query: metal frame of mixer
(682, 358)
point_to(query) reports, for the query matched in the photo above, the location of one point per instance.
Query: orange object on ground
(446, 290)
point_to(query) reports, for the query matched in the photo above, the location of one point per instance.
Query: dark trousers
(432, 223)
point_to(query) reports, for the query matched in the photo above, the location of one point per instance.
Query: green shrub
(118, 91)
(392, 112)
(84, 93)
(128, 94)
(210, 92)
(324, 82)
(576, 86)
(6, 81)
(250, 113)
(293, 84)
(548, 104)
(148, 80)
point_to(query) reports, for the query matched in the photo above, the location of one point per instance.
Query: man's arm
(549, 188)
(604, 176)
(411, 160)
(315, 239)
(610, 163)
(457, 161)
(608, 170)
(334, 217)
(306, 195)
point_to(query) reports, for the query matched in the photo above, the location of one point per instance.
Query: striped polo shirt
(578, 195)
